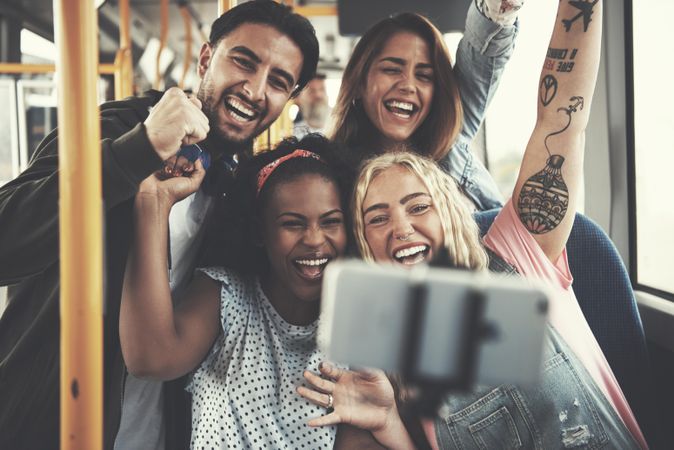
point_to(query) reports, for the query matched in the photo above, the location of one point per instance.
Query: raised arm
(158, 342)
(481, 57)
(546, 193)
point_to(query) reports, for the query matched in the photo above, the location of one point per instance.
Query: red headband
(267, 170)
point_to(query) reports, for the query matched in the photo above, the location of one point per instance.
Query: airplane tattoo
(586, 10)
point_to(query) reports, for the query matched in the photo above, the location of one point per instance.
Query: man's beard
(218, 142)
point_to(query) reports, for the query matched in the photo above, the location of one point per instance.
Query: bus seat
(605, 295)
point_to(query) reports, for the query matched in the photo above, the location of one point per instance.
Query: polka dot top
(243, 393)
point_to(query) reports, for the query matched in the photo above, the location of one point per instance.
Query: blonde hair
(460, 231)
(434, 137)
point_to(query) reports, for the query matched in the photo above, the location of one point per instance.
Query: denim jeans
(481, 57)
(567, 410)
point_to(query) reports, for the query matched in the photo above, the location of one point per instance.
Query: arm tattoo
(560, 59)
(548, 89)
(544, 197)
(586, 9)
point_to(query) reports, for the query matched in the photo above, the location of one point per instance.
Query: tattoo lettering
(586, 9)
(548, 89)
(559, 56)
(565, 67)
(544, 198)
(557, 53)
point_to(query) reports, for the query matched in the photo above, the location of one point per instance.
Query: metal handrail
(225, 5)
(187, 58)
(80, 227)
(18, 68)
(313, 11)
(163, 35)
(124, 57)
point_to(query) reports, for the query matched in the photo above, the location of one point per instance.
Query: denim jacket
(481, 57)
(566, 410)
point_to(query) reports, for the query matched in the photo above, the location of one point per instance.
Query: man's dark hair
(281, 17)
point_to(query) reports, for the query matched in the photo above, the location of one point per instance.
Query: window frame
(630, 132)
(10, 85)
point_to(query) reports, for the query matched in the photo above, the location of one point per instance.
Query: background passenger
(249, 333)
(399, 87)
(405, 201)
(314, 109)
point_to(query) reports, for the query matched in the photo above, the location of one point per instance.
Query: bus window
(9, 145)
(653, 145)
(37, 114)
(35, 48)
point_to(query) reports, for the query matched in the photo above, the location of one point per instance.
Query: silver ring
(404, 238)
(329, 401)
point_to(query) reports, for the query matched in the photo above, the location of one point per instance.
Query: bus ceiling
(336, 36)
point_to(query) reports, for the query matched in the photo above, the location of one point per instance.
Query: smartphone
(175, 167)
(440, 325)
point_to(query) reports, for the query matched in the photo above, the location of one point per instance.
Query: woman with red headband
(247, 333)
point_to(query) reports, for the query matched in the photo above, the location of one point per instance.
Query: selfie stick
(433, 390)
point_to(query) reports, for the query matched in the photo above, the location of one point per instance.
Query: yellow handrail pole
(107, 69)
(26, 68)
(18, 68)
(119, 83)
(123, 71)
(225, 5)
(126, 57)
(187, 20)
(80, 226)
(163, 34)
(313, 11)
